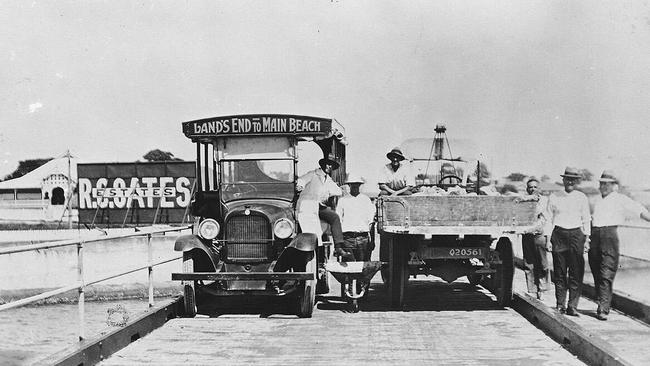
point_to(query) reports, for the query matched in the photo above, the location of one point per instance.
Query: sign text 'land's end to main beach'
(258, 125)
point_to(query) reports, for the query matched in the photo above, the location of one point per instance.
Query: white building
(41, 194)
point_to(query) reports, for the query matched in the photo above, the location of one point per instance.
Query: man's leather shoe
(572, 312)
(601, 316)
(560, 309)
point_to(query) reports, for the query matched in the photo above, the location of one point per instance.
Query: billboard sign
(134, 193)
(258, 124)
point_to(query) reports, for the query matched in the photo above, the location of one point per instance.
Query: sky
(535, 85)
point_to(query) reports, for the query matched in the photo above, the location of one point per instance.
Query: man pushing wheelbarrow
(354, 270)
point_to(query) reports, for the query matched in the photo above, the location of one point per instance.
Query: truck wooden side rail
(449, 237)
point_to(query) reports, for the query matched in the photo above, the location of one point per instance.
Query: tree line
(26, 166)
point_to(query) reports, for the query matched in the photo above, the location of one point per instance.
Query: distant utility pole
(68, 205)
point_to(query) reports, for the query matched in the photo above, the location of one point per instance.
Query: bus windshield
(243, 179)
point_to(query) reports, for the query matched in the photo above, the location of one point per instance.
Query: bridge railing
(82, 282)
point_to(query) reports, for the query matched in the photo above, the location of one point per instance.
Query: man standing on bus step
(396, 178)
(609, 214)
(316, 187)
(569, 214)
(534, 244)
(357, 214)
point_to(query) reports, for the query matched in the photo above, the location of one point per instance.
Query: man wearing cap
(357, 213)
(396, 178)
(316, 187)
(570, 217)
(535, 242)
(609, 213)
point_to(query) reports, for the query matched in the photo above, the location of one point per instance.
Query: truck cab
(244, 209)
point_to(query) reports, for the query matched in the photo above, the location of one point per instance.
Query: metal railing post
(80, 277)
(149, 263)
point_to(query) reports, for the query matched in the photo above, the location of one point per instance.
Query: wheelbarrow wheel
(189, 293)
(474, 279)
(307, 298)
(354, 305)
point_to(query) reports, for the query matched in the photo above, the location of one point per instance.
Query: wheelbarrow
(354, 278)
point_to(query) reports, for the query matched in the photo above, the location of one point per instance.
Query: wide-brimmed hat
(608, 176)
(352, 178)
(330, 159)
(396, 152)
(571, 172)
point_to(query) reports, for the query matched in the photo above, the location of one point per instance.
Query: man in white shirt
(316, 187)
(609, 213)
(534, 244)
(396, 178)
(357, 213)
(569, 214)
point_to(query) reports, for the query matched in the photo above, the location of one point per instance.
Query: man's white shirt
(316, 187)
(570, 210)
(399, 179)
(356, 213)
(614, 209)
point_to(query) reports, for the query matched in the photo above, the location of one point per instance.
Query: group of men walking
(565, 218)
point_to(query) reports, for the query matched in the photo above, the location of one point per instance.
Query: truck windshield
(243, 179)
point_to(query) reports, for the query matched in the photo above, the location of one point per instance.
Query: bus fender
(188, 242)
(305, 242)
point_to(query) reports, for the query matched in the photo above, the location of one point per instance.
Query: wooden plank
(457, 210)
(92, 351)
(494, 231)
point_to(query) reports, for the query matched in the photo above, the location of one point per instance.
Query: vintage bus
(244, 208)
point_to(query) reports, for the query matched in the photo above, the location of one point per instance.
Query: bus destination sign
(258, 124)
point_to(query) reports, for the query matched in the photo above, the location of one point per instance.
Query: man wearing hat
(570, 217)
(609, 213)
(316, 187)
(396, 178)
(357, 213)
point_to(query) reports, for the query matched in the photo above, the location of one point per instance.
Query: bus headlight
(283, 228)
(209, 229)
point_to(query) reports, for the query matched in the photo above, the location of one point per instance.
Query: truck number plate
(459, 252)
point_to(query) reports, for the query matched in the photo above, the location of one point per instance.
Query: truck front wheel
(502, 284)
(384, 253)
(398, 270)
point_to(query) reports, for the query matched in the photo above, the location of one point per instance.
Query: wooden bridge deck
(450, 324)
(456, 324)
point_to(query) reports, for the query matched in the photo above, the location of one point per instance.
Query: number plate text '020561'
(457, 252)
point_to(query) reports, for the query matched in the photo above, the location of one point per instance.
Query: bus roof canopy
(258, 125)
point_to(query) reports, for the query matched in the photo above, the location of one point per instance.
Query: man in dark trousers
(357, 214)
(609, 214)
(569, 214)
(534, 244)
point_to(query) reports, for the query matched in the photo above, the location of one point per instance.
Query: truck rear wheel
(398, 271)
(307, 299)
(189, 292)
(502, 284)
